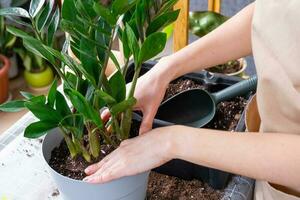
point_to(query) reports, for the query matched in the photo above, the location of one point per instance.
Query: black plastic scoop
(197, 107)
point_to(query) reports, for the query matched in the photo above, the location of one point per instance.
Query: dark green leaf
(38, 99)
(118, 86)
(126, 49)
(152, 46)
(162, 21)
(38, 129)
(82, 106)
(168, 5)
(19, 21)
(52, 94)
(106, 97)
(61, 105)
(14, 11)
(43, 112)
(69, 10)
(35, 7)
(105, 13)
(121, 6)
(43, 18)
(53, 27)
(27, 95)
(132, 41)
(124, 105)
(13, 106)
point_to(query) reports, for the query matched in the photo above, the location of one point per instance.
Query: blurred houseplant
(92, 27)
(202, 23)
(37, 73)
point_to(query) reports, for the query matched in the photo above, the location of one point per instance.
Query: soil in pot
(227, 68)
(62, 162)
(172, 188)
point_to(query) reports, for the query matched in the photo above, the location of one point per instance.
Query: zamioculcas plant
(92, 27)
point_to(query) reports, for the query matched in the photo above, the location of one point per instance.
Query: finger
(105, 115)
(95, 167)
(148, 117)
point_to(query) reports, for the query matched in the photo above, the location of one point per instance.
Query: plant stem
(72, 149)
(94, 141)
(125, 67)
(102, 77)
(85, 154)
(126, 120)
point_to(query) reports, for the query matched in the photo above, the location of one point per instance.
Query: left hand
(134, 156)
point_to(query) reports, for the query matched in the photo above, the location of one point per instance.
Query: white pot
(126, 188)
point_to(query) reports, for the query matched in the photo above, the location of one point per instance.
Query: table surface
(23, 174)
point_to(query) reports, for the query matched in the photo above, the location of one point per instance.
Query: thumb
(148, 117)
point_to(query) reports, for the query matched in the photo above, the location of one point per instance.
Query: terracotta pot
(4, 78)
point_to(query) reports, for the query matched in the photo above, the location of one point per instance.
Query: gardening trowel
(197, 107)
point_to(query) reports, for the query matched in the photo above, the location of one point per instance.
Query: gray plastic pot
(126, 188)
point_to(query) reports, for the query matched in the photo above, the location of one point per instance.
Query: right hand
(149, 93)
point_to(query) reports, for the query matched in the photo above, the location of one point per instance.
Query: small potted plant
(37, 73)
(78, 135)
(202, 23)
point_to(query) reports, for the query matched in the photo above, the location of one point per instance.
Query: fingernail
(86, 179)
(87, 170)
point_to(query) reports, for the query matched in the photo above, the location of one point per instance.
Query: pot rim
(74, 180)
(242, 62)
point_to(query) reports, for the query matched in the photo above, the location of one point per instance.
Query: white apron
(276, 48)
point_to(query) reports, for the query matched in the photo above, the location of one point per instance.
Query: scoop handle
(237, 89)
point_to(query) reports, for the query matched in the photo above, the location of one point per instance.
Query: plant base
(127, 188)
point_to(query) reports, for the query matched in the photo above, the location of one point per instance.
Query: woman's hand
(135, 156)
(149, 92)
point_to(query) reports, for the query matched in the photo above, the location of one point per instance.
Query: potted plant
(37, 73)
(4, 69)
(92, 27)
(202, 23)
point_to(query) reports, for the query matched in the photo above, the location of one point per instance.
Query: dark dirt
(172, 188)
(227, 68)
(62, 162)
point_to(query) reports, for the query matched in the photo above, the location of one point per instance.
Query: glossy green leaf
(118, 86)
(167, 6)
(14, 11)
(35, 7)
(69, 10)
(126, 49)
(122, 106)
(82, 106)
(38, 99)
(13, 106)
(38, 129)
(18, 32)
(105, 13)
(43, 18)
(162, 21)
(43, 112)
(61, 105)
(121, 6)
(132, 41)
(106, 97)
(52, 94)
(152, 46)
(27, 95)
(53, 27)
